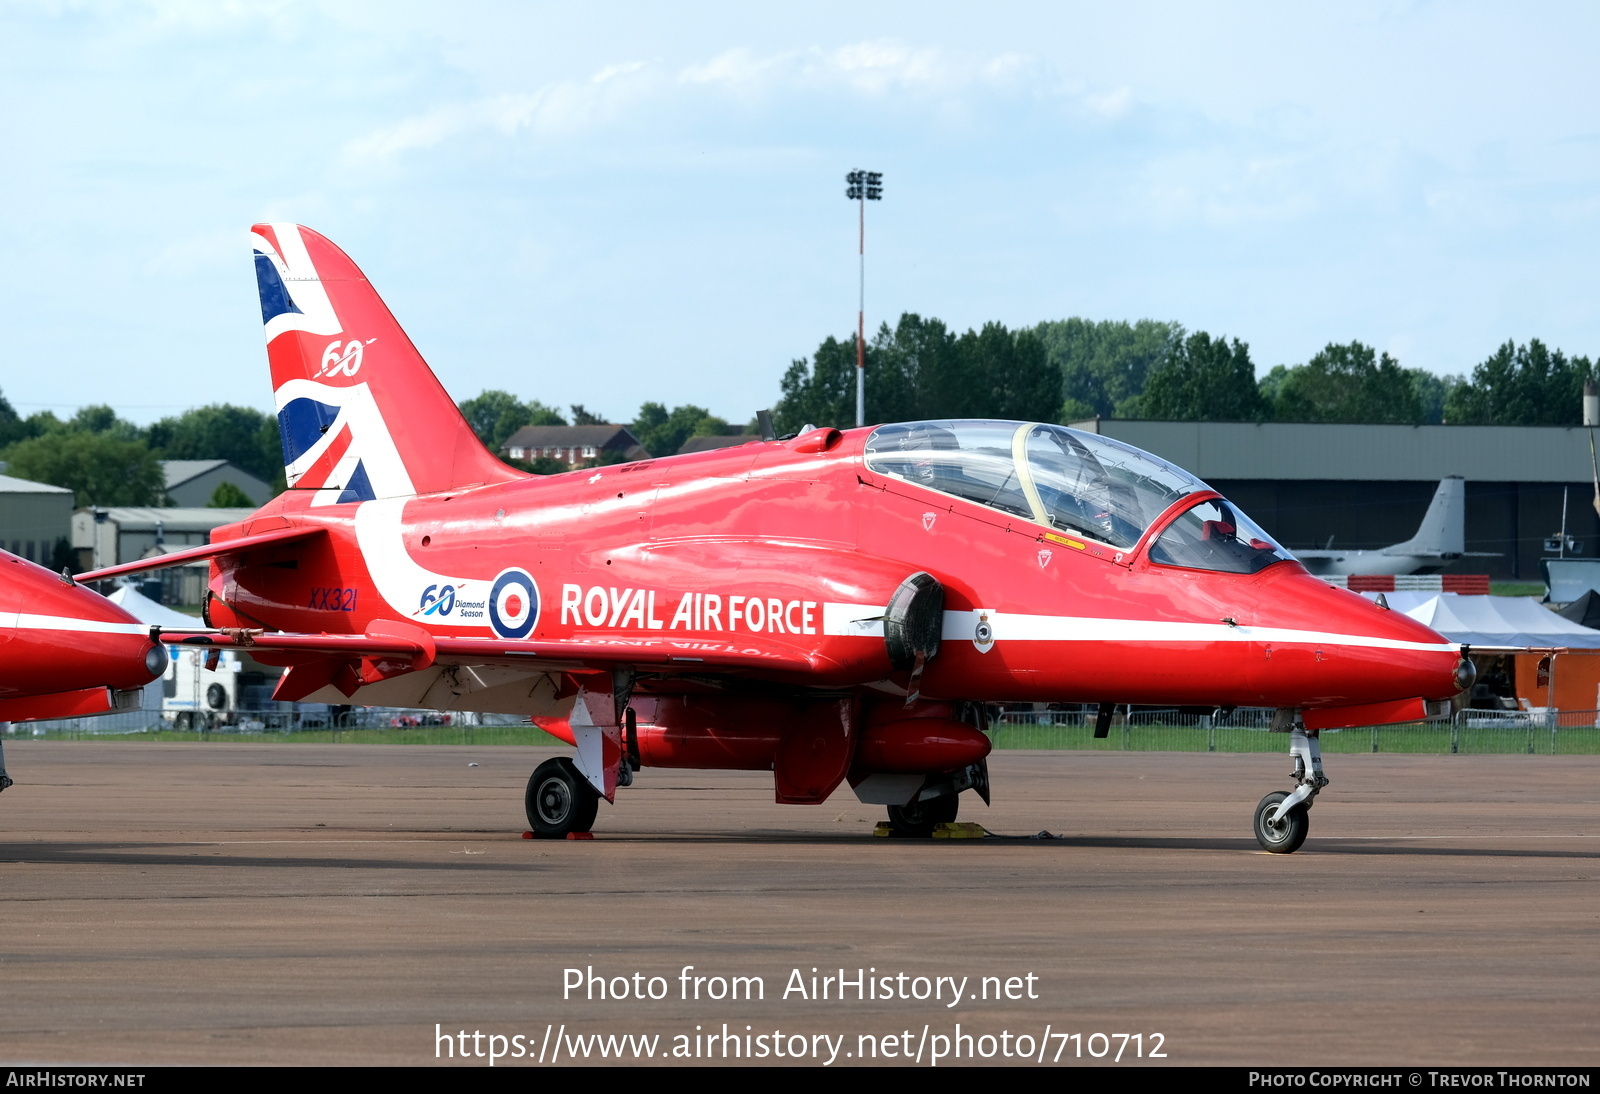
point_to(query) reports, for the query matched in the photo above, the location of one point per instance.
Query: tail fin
(1443, 528)
(361, 414)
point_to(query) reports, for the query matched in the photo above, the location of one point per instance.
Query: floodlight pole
(861, 317)
(862, 187)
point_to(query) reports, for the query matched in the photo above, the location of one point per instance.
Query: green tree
(244, 437)
(920, 369)
(99, 468)
(1521, 385)
(663, 432)
(1204, 380)
(102, 419)
(1271, 384)
(1104, 365)
(581, 416)
(229, 496)
(41, 422)
(1345, 383)
(495, 415)
(1003, 375)
(1433, 392)
(915, 371)
(821, 391)
(12, 427)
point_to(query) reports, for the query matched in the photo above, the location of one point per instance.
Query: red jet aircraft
(830, 606)
(66, 651)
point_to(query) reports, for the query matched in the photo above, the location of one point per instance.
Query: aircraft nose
(1369, 653)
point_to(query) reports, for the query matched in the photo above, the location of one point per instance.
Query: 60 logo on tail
(346, 362)
(437, 601)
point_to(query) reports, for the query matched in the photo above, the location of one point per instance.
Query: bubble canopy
(1074, 482)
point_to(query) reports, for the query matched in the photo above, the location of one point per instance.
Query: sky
(612, 203)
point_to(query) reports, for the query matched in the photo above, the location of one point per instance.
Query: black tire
(1288, 834)
(560, 800)
(920, 818)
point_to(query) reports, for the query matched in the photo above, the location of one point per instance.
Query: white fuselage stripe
(865, 620)
(26, 621)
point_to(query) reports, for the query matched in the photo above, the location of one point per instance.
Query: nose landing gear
(1281, 822)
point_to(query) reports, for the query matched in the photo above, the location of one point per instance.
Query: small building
(191, 483)
(34, 518)
(572, 444)
(116, 534)
(721, 440)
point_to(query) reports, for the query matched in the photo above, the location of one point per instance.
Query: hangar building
(1367, 486)
(34, 518)
(190, 483)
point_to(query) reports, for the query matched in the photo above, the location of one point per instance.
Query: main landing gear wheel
(1286, 836)
(920, 818)
(560, 800)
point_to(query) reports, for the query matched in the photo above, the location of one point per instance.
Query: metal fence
(287, 724)
(1539, 732)
(1551, 733)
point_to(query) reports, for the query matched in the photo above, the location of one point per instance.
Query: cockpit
(1075, 483)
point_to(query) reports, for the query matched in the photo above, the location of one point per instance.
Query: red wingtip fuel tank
(63, 646)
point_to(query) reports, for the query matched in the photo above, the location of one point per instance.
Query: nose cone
(57, 636)
(1354, 651)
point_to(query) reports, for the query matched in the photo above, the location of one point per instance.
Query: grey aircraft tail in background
(1440, 540)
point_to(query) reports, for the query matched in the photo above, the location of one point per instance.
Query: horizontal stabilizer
(205, 551)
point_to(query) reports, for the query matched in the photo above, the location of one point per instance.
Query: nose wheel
(1281, 821)
(1287, 832)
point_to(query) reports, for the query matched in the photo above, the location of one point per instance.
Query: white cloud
(565, 107)
(876, 68)
(871, 67)
(735, 67)
(1112, 104)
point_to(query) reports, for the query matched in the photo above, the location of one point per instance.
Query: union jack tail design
(361, 414)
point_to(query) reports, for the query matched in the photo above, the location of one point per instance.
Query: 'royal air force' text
(600, 606)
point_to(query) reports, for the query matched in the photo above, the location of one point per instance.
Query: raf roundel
(513, 604)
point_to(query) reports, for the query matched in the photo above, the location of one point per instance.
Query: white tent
(145, 610)
(1493, 621)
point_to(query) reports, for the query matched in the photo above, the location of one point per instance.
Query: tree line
(1061, 371)
(105, 460)
(1075, 369)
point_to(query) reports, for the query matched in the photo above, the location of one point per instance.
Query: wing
(391, 650)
